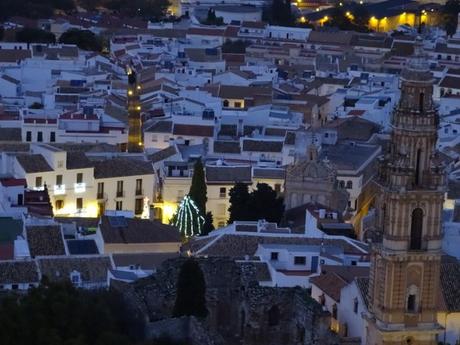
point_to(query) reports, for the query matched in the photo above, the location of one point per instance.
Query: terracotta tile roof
(227, 147)
(161, 127)
(147, 261)
(228, 174)
(262, 145)
(82, 247)
(450, 285)
(119, 167)
(45, 240)
(33, 163)
(450, 82)
(193, 130)
(17, 272)
(10, 134)
(240, 245)
(363, 286)
(77, 160)
(6, 251)
(91, 269)
(162, 154)
(14, 55)
(133, 230)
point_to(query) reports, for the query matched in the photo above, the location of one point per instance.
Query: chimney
(322, 213)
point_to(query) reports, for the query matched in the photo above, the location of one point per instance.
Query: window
(421, 101)
(60, 164)
(226, 103)
(277, 188)
(58, 180)
(300, 260)
(75, 277)
(139, 186)
(119, 205)
(15, 286)
(274, 256)
(100, 190)
(342, 184)
(119, 189)
(28, 136)
(416, 229)
(411, 303)
(52, 137)
(138, 206)
(238, 105)
(349, 184)
(355, 306)
(59, 204)
(38, 181)
(40, 136)
(79, 203)
(80, 178)
(222, 192)
(154, 138)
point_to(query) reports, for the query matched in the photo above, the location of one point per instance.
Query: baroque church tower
(405, 266)
(135, 143)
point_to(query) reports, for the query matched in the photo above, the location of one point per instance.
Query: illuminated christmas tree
(188, 218)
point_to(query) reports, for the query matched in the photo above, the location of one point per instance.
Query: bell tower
(135, 142)
(405, 267)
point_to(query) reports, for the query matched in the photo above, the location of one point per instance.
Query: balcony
(120, 194)
(79, 187)
(101, 196)
(59, 189)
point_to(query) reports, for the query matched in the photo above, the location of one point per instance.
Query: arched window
(416, 229)
(412, 299)
(226, 103)
(349, 184)
(274, 316)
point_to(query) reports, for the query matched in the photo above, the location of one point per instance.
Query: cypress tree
(239, 203)
(198, 189)
(191, 291)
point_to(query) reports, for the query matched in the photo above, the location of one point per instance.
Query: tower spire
(135, 141)
(404, 273)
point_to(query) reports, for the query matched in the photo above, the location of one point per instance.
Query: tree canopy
(148, 9)
(56, 314)
(280, 13)
(450, 16)
(262, 203)
(33, 8)
(28, 35)
(239, 203)
(191, 291)
(84, 39)
(198, 189)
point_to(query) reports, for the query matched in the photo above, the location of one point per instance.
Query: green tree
(211, 18)
(153, 10)
(198, 189)
(208, 224)
(280, 12)
(236, 47)
(190, 291)
(239, 203)
(361, 17)
(450, 16)
(84, 39)
(265, 204)
(28, 35)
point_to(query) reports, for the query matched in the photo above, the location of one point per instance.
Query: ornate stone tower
(135, 142)
(405, 267)
(310, 179)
